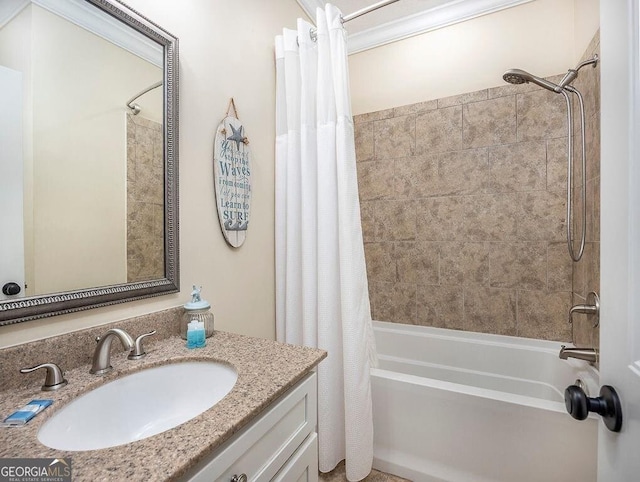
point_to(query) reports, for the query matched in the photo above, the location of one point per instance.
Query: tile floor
(338, 475)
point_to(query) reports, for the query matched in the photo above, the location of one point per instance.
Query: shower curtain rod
(365, 10)
(135, 107)
(358, 13)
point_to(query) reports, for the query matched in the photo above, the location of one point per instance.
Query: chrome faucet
(54, 378)
(102, 354)
(586, 354)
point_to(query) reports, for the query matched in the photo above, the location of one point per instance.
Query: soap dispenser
(196, 310)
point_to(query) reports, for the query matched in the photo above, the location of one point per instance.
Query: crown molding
(87, 16)
(426, 21)
(9, 9)
(432, 19)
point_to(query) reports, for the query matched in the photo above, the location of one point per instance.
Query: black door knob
(11, 289)
(607, 405)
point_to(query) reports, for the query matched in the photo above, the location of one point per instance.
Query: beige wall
(544, 37)
(586, 24)
(226, 50)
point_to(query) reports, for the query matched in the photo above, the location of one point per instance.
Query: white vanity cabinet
(280, 444)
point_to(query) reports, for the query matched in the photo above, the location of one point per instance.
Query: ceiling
(405, 18)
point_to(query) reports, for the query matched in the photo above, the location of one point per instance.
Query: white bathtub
(456, 406)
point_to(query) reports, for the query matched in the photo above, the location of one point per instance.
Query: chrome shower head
(513, 76)
(517, 76)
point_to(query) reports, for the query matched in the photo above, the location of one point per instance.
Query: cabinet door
(261, 448)
(303, 465)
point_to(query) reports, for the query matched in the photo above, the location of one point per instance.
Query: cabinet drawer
(303, 464)
(260, 449)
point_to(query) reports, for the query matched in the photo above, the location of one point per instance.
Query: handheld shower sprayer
(564, 87)
(517, 76)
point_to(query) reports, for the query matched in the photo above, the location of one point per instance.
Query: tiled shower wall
(463, 204)
(145, 199)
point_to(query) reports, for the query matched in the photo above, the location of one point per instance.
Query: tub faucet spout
(586, 354)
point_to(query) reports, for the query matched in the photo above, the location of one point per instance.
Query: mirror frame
(41, 306)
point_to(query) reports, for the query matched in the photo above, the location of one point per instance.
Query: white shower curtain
(321, 283)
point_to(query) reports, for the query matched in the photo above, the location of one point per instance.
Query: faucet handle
(54, 378)
(591, 308)
(137, 351)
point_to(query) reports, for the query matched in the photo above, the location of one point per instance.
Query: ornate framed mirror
(89, 164)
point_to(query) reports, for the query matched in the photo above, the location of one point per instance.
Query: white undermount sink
(138, 406)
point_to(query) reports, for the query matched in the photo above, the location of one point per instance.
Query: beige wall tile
(579, 275)
(489, 122)
(145, 200)
(394, 137)
(592, 135)
(557, 164)
(440, 306)
(131, 149)
(418, 262)
(577, 158)
(381, 264)
(518, 167)
(158, 147)
(158, 217)
(415, 108)
(363, 135)
(462, 172)
(416, 177)
(140, 221)
(373, 116)
(541, 115)
(592, 268)
(490, 310)
(541, 216)
(577, 212)
(375, 180)
(380, 297)
(518, 265)
(395, 302)
(440, 219)
(559, 268)
(395, 220)
(490, 217)
(404, 303)
(367, 218)
(510, 89)
(544, 315)
(144, 145)
(464, 264)
(439, 130)
(593, 210)
(463, 98)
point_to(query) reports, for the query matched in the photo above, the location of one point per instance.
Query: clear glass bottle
(199, 310)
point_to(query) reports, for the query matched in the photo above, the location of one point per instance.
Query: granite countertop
(266, 370)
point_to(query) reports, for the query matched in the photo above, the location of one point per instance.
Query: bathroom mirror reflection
(88, 159)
